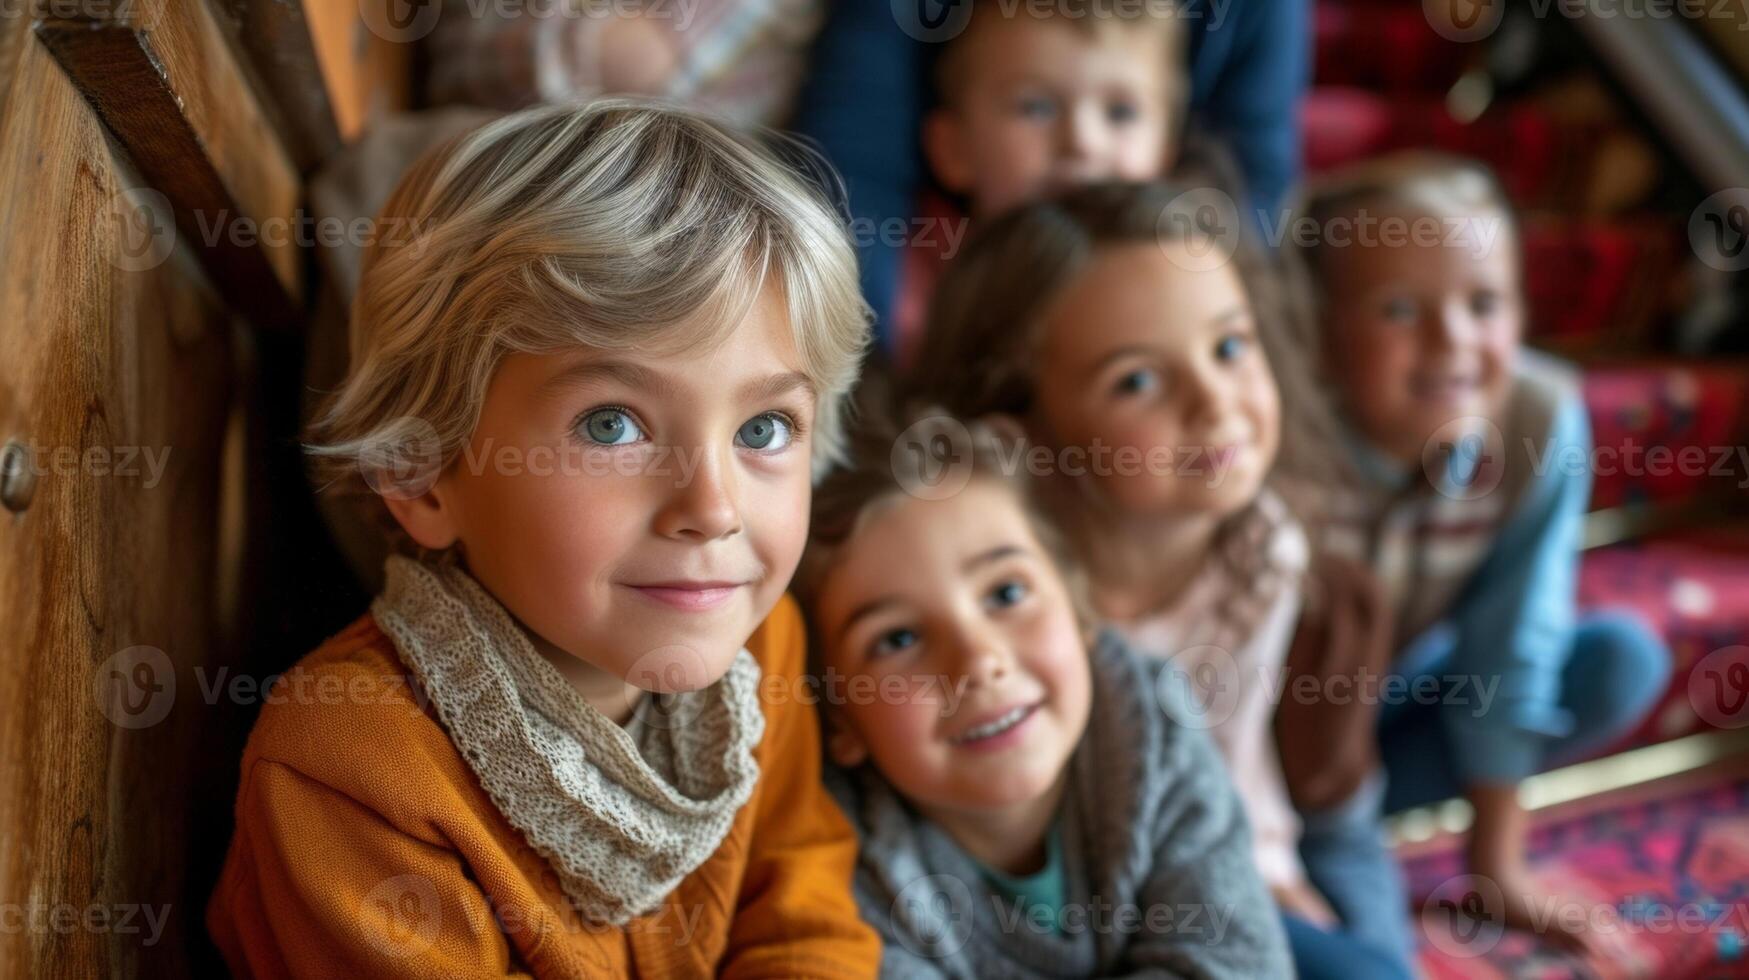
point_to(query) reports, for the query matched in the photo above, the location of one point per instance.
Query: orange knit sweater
(366, 847)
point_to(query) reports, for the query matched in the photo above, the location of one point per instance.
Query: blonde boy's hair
(1417, 181)
(619, 225)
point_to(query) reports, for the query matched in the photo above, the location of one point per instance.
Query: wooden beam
(164, 82)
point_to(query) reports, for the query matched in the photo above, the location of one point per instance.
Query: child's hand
(1302, 901)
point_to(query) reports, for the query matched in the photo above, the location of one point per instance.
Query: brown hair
(925, 452)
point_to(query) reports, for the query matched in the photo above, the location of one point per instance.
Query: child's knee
(1628, 663)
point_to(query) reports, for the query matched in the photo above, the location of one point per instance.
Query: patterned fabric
(1673, 871)
(1696, 414)
(1695, 594)
(742, 59)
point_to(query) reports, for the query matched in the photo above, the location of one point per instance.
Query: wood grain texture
(107, 353)
(161, 76)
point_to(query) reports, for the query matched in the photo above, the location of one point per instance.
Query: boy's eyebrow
(625, 373)
(778, 385)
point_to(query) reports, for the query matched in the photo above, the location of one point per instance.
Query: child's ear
(428, 518)
(944, 143)
(844, 747)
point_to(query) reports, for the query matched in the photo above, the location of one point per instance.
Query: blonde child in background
(1030, 803)
(1419, 347)
(591, 391)
(1129, 345)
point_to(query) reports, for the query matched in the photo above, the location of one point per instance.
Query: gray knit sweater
(1157, 866)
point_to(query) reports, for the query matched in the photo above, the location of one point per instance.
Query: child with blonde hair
(1128, 340)
(590, 391)
(1447, 489)
(1031, 799)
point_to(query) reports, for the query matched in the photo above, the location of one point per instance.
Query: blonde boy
(619, 340)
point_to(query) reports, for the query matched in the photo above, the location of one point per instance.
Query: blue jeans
(1347, 859)
(1615, 672)
(1320, 955)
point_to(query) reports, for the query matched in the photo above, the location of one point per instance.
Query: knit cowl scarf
(622, 816)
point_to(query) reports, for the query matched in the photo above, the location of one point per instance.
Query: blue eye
(1229, 348)
(1122, 112)
(1137, 382)
(1036, 107)
(1007, 594)
(893, 641)
(769, 432)
(610, 427)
